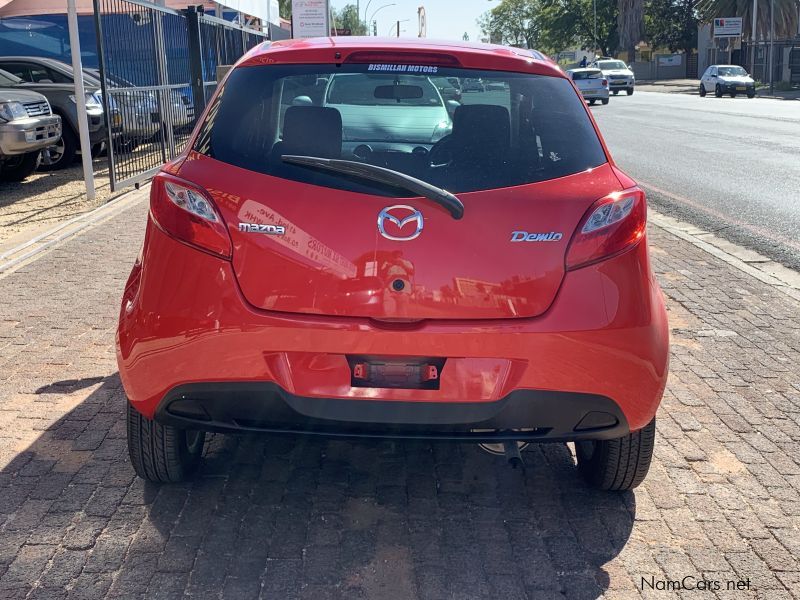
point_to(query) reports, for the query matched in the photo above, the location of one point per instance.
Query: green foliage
(285, 8)
(552, 25)
(671, 23)
(567, 23)
(348, 18)
(513, 22)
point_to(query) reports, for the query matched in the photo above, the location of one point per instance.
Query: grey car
(27, 126)
(42, 75)
(592, 84)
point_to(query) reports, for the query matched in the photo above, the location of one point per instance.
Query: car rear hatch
(505, 258)
(331, 244)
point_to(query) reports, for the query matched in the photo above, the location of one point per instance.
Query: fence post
(165, 93)
(196, 61)
(101, 63)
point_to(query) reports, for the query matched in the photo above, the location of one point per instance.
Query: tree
(671, 23)
(513, 22)
(285, 8)
(786, 15)
(567, 23)
(630, 25)
(348, 18)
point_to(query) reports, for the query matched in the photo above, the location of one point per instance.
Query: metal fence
(157, 70)
(785, 60)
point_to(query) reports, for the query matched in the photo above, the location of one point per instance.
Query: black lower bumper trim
(534, 415)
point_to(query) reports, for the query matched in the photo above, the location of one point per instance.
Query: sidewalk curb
(748, 261)
(30, 250)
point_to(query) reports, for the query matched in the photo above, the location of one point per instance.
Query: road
(729, 165)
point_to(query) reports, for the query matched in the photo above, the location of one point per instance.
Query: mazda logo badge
(401, 215)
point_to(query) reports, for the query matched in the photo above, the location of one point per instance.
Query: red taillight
(612, 225)
(404, 58)
(187, 213)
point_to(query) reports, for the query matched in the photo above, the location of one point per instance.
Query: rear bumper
(600, 94)
(184, 321)
(265, 407)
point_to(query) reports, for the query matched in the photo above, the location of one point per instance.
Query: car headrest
(312, 131)
(481, 130)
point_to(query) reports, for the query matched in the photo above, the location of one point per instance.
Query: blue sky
(447, 19)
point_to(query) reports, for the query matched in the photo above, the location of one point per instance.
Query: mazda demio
(342, 251)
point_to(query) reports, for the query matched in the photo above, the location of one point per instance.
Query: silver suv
(27, 126)
(620, 76)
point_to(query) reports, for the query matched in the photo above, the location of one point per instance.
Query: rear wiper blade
(381, 175)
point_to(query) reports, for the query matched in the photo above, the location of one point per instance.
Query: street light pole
(771, 46)
(379, 9)
(366, 10)
(753, 38)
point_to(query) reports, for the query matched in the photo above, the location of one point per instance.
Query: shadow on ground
(298, 518)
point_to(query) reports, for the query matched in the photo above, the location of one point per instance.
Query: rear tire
(619, 464)
(162, 453)
(592, 101)
(604, 101)
(615, 92)
(17, 168)
(630, 91)
(702, 91)
(733, 94)
(751, 94)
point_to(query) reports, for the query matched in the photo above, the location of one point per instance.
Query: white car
(727, 79)
(376, 107)
(592, 84)
(620, 76)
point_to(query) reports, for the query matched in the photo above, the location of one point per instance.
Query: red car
(353, 257)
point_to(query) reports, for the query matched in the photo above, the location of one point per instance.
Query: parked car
(727, 79)
(592, 84)
(386, 111)
(620, 76)
(47, 77)
(491, 287)
(138, 110)
(27, 125)
(473, 85)
(143, 107)
(449, 88)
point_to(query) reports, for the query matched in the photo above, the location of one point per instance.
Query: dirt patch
(726, 463)
(45, 199)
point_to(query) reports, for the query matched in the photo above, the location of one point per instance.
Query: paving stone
(282, 518)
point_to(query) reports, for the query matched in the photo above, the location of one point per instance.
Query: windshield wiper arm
(381, 175)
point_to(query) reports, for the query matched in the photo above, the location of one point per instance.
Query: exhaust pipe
(511, 451)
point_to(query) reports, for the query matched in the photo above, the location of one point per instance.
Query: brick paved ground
(318, 519)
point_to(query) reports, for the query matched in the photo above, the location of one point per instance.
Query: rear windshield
(732, 71)
(513, 129)
(609, 65)
(578, 75)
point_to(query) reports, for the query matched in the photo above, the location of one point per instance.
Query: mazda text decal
(524, 236)
(258, 228)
